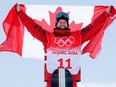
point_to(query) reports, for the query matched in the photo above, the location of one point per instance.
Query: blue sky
(18, 72)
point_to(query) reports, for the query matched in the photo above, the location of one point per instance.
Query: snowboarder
(62, 47)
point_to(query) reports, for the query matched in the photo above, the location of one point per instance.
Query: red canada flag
(14, 30)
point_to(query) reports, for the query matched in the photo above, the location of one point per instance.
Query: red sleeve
(35, 29)
(89, 31)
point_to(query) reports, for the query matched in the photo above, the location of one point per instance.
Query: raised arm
(35, 29)
(89, 31)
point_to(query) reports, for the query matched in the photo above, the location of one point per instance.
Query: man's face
(62, 24)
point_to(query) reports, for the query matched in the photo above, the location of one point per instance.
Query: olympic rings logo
(64, 41)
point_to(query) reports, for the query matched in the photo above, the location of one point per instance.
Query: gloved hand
(111, 10)
(18, 7)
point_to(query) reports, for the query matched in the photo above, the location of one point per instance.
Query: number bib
(68, 58)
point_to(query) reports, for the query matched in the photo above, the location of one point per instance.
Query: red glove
(112, 11)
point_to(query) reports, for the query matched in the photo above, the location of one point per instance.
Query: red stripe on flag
(14, 31)
(94, 45)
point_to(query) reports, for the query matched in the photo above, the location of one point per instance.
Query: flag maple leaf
(73, 26)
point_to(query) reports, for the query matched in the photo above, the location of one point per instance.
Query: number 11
(61, 63)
